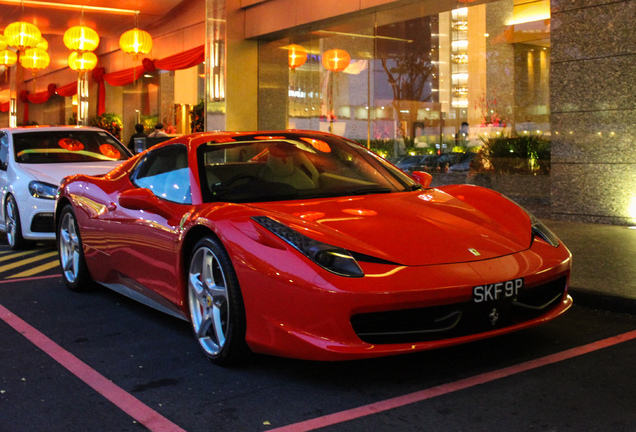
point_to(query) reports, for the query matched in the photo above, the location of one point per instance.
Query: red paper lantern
(22, 35)
(135, 42)
(81, 39)
(297, 56)
(82, 62)
(336, 60)
(34, 59)
(8, 58)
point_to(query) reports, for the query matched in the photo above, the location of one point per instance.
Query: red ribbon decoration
(182, 60)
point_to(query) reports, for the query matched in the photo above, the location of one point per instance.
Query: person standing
(139, 133)
(158, 132)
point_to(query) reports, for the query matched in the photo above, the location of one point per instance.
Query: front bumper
(299, 311)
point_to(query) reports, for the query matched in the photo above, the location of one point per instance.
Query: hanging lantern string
(135, 42)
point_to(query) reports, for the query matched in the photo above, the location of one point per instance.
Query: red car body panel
(432, 247)
(382, 226)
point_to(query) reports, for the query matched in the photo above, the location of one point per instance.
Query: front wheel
(216, 304)
(13, 225)
(71, 253)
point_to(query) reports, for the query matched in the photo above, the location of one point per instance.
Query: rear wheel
(216, 304)
(71, 254)
(13, 225)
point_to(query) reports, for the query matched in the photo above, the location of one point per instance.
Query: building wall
(593, 106)
(272, 16)
(592, 94)
(241, 72)
(181, 31)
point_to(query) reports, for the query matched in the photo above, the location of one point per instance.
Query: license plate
(497, 291)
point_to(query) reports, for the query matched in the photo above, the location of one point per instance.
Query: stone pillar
(273, 92)
(500, 59)
(593, 110)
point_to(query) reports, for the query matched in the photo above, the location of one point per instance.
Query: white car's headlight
(332, 258)
(42, 190)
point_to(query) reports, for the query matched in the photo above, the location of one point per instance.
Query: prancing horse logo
(494, 316)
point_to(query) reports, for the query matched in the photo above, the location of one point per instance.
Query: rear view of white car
(33, 161)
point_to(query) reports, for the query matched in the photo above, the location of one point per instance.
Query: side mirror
(422, 178)
(142, 199)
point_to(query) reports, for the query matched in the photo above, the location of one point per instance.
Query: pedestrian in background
(158, 132)
(139, 133)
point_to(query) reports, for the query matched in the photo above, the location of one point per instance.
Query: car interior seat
(280, 168)
(306, 166)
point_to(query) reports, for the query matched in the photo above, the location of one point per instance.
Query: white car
(34, 160)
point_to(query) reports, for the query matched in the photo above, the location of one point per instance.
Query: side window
(165, 172)
(4, 151)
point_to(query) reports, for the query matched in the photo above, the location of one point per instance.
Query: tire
(216, 306)
(71, 253)
(13, 225)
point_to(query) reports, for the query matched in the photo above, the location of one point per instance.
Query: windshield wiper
(368, 191)
(414, 187)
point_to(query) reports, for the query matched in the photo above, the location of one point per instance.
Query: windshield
(67, 146)
(294, 167)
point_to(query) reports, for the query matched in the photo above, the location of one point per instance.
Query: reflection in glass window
(66, 146)
(165, 172)
(466, 86)
(294, 167)
(4, 150)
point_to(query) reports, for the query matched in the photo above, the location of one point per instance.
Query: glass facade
(215, 55)
(166, 97)
(467, 89)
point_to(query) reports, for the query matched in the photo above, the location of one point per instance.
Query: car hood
(410, 228)
(54, 173)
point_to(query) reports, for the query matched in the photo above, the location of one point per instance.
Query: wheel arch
(59, 205)
(3, 210)
(10, 191)
(193, 235)
(235, 350)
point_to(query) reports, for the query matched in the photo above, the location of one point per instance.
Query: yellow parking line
(15, 255)
(36, 270)
(27, 261)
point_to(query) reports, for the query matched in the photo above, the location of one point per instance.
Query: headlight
(332, 258)
(539, 229)
(42, 190)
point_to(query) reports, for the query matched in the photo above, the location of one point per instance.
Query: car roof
(223, 137)
(27, 129)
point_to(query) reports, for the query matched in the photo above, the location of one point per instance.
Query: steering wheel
(237, 178)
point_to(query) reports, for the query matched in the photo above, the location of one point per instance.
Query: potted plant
(109, 122)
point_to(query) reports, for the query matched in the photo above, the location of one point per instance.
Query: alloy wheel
(11, 222)
(70, 248)
(209, 301)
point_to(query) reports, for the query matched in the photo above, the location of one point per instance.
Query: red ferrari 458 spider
(306, 245)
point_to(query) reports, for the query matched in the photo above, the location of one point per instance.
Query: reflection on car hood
(54, 173)
(418, 228)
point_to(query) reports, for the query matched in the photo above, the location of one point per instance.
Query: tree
(410, 72)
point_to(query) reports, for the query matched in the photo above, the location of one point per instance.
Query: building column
(593, 111)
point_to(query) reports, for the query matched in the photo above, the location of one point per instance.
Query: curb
(603, 301)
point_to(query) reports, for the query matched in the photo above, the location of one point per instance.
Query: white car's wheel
(13, 225)
(71, 254)
(216, 305)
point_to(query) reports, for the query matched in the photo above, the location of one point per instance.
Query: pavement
(603, 264)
